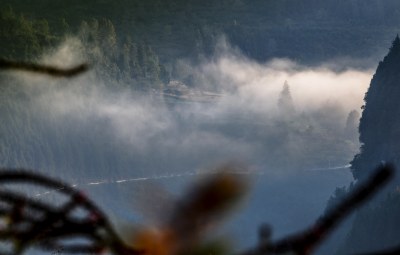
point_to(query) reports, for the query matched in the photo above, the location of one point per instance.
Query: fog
(295, 152)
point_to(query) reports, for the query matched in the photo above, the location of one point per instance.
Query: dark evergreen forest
(189, 29)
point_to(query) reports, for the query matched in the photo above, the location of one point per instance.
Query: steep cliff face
(380, 122)
(374, 226)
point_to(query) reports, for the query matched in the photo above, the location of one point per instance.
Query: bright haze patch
(98, 130)
(322, 100)
(311, 86)
(245, 123)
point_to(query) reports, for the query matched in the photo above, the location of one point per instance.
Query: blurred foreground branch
(391, 251)
(305, 242)
(44, 69)
(31, 222)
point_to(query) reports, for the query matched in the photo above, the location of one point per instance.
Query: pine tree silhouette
(285, 101)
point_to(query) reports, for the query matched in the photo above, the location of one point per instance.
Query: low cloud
(245, 123)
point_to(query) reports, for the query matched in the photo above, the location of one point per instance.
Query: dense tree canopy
(261, 29)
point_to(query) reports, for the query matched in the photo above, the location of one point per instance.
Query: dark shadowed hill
(380, 123)
(375, 227)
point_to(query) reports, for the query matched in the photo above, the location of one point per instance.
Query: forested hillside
(375, 227)
(23, 38)
(113, 57)
(261, 29)
(379, 124)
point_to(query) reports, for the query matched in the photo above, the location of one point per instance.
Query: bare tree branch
(57, 224)
(43, 69)
(305, 242)
(391, 251)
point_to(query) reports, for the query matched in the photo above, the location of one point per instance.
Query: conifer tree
(285, 101)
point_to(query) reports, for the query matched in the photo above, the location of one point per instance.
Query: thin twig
(305, 242)
(43, 69)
